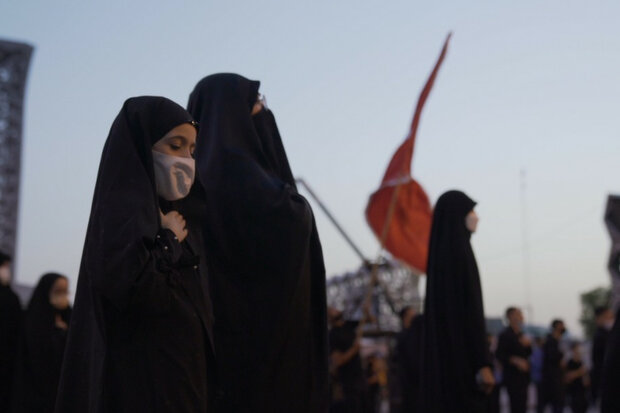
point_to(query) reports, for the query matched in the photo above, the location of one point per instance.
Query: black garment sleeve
(152, 291)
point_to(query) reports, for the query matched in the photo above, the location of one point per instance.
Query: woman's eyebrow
(183, 138)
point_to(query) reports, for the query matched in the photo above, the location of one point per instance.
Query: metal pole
(332, 219)
(525, 249)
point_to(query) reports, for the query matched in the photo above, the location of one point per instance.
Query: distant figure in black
(348, 387)
(42, 346)
(10, 323)
(610, 376)
(456, 370)
(577, 381)
(604, 319)
(552, 386)
(409, 358)
(513, 351)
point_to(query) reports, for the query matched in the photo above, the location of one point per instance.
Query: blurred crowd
(540, 373)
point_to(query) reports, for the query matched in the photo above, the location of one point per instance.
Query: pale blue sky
(529, 85)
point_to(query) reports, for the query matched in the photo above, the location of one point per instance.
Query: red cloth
(409, 230)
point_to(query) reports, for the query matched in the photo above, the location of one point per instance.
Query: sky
(523, 118)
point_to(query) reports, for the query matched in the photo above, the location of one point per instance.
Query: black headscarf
(265, 258)
(41, 351)
(124, 221)
(455, 335)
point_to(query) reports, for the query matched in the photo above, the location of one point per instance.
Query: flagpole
(375, 266)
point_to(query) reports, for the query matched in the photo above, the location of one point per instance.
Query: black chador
(455, 346)
(41, 350)
(139, 338)
(265, 259)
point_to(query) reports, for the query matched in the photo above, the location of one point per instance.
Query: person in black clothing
(10, 323)
(456, 364)
(552, 388)
(373, 373)
(346, 366)
(610, 376)
(577, 381)
(265, 258)
(604, 318)
(513, 351)
(140, 336)
(42, 346)
(408, 356)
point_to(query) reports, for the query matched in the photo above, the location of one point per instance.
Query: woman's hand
(485, 379)
(60, 323)
(175, 223)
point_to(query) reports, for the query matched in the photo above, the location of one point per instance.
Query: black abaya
(455, 346)
(265, 258)
(139, 340)
(40, 353)
(10, 324)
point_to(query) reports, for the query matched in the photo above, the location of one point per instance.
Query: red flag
(399, 212)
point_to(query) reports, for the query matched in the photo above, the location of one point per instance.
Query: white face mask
(5, 274)
(59, 301)
(174, 175)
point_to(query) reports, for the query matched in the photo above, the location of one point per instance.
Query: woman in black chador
(456, 374)
(265, 259)
(42, 346)
(139, 339)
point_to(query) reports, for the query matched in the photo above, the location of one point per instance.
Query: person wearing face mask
(513, 351)
(265, 258)
(10, 324)
(456, 362)
(604, 319)
(42, 346)
(140, 336)
(552, 386)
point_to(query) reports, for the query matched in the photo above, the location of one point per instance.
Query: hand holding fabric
(175, 223)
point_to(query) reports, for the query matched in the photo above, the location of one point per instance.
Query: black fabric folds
(41, 351)
(455, 345)
(138, 340)
(265, 259)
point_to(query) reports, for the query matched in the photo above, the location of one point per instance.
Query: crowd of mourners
(532, 372)
(202, 289)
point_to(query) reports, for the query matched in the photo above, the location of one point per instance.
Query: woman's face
(259, 105)
(471, 221)
(180, 141)
(59, 294)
